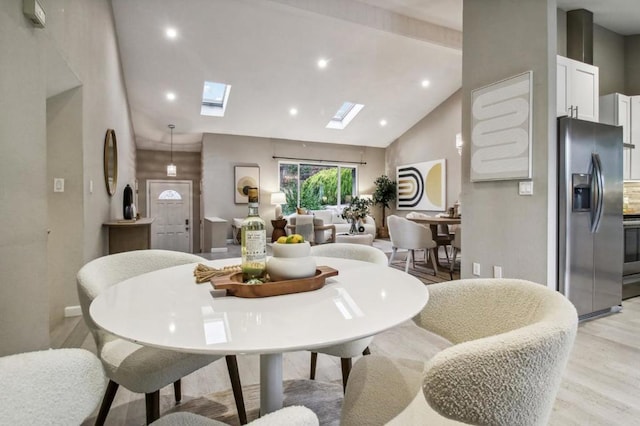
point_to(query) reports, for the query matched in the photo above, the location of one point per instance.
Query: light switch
(58, 185)
(525, 187)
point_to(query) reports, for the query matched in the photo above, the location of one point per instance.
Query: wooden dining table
(433, 222)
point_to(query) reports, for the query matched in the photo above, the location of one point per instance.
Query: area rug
(406, 340)
(324, 399)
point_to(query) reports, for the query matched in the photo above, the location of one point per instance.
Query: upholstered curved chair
(456, 244)
(139, 368)
(511, 340)
(347, 350)
(412, 236)
(443, 234)
(293, 416)
(56, 387)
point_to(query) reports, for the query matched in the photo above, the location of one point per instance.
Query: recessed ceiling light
(293, 112)
(322, 63)
(425, 83)
(171, 96)
(383, 122)
(171, 33)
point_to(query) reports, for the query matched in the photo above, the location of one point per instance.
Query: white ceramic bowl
(290, 262)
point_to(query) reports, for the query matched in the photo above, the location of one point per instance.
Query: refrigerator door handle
(596, 212)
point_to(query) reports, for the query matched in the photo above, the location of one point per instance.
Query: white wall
(220, 153)
(83, 36)
(503, 38)
(432, 138)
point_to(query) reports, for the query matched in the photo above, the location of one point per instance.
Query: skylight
(344, 115)
(214, 98)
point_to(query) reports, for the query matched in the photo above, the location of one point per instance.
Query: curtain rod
(275, 157)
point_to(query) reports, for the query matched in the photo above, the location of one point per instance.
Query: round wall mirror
(110, 161)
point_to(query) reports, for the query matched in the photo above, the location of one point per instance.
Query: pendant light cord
(172, 126)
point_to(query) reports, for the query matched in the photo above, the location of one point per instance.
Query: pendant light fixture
(171, 168)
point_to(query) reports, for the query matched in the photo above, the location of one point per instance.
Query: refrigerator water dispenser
(581, 184)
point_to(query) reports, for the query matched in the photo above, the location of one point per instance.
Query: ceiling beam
(381, 19)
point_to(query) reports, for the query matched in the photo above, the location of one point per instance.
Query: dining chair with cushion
(140, 368)
(294, 415)
(411, 236)
(57, 387)
(346, 351)
(442, 236)
(510, 339)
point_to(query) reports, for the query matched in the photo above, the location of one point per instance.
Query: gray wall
(64, 159)
(632, 65)
(503, 38)
(153, 165)
(608, 56)
(432, 138)
(82, 34)
(220, 153)
(24, 296)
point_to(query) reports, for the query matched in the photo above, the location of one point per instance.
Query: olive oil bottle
(254, 241)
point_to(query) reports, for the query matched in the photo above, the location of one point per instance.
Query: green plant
(385, 193)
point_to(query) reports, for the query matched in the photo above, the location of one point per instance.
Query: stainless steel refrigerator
(590, 233)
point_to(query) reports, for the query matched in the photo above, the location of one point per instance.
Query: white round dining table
(167, 309)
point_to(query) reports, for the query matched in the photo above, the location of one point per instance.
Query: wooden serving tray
(235, 287)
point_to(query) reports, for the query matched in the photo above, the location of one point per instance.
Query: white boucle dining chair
(140, 368)
(412, 236)
(291, 416)
(354, 348)
(511, 340)
(54, 387)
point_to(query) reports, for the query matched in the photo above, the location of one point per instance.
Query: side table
(278, 229)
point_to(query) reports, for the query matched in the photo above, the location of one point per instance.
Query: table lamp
(278, 198)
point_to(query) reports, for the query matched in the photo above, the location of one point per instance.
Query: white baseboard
(231, 241)
(218, 249)
(72, 311)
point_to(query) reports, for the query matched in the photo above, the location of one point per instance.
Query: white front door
(169, 203)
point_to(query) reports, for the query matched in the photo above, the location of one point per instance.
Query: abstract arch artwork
(422, 186)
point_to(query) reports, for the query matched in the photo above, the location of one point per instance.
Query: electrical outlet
(476, 269)
(58, 185)
(497, 272)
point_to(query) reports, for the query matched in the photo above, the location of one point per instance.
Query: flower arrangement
(359, 209)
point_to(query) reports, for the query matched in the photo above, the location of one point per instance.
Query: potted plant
(385, 193)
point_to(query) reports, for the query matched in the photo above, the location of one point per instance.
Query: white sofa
(333, 217)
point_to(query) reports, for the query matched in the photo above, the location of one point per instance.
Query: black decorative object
(127, 200)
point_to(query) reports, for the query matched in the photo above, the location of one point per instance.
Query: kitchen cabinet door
(577, 87)
(615, 109)
(634, 135)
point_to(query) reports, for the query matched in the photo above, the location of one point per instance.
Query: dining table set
(167, 309)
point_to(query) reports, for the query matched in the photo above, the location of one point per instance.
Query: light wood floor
(601, 385)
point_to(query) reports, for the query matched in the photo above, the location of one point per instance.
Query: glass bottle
(254, 241)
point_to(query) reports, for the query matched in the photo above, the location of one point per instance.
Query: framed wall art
(245, 178)
(501, 123)
(422, 186)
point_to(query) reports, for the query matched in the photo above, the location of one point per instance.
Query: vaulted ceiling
(378, 51)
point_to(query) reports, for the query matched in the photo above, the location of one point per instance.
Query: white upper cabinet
(634, 134)
(622, 110)
(578, 89)
(615, 109)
